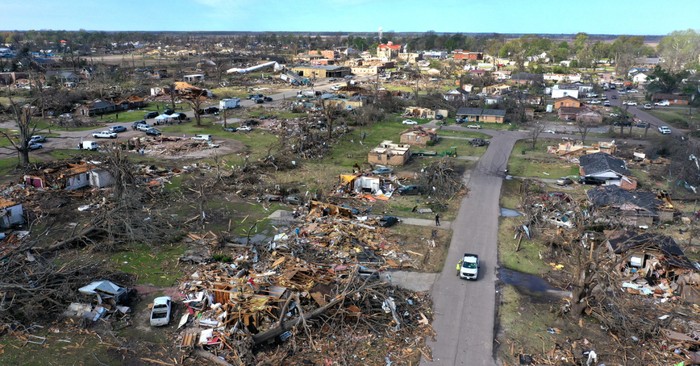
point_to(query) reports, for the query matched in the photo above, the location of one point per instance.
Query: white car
(594, 101)
(631, 103)
(37, 138)
(478, 127)
(664, 130)
(549, 131)
(409, 122)
(160, 314)
(245, 128)
(104, 135)
(663, 103)
(647, 106)
(468, 267)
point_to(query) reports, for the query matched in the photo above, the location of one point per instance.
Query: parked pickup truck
(160, 314)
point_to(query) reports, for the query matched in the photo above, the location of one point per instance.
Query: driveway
(465, 311)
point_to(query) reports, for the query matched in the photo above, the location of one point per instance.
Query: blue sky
(504, 16)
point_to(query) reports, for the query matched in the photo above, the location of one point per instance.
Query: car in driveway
(631, 103)
(382, 170)
(606, 104)
(664, 130)
(152, 114)
(35, 146)
(143, 127)
(202, 137)
(104, 135)
(647, 106)
(117, 129)
(478, 127)
(468, 267)
(591, 181)
(409, 122)
(245, 128)
(642, 124)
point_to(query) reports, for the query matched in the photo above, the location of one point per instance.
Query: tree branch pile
(34, 288)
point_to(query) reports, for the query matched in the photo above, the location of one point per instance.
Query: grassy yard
(467, 134)
(230, 92)
(152, 266)
(526, 162)
(678, 117)
(526, 258)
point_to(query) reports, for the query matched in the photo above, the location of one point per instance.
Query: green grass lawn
(678, 117)
(538, 163)
(230, 92)
(153, 266)
(467, 134)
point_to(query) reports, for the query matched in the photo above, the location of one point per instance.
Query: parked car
(642, 124)
(293, 200)
(408, 190)
(152, 114)
(478, 127)
(439, 117)
(564, 181)
(267, 99)
(211, 110)
(136, 124)
(230, 129)
(478, 142)
(647, 106)
(631, 103)
(382, 170)
(664, 130)
(409, 122)
(245, 128)
(117, 129)
(624, 123)
(161, 311)
(37, 138)
(153, 132)
(663, 103)
(104, 135)
(606, 103)
(168, 111)
(549, 131)
(388, 221)
(613, 96)
(143, 127)
(35, 146)
(468, 267)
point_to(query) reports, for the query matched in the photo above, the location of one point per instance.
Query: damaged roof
(602, 162)
(673, 254)
(614, 196)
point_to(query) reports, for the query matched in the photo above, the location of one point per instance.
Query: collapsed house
(389, 153)
(419, 136)
(654, 265)
(575, 149)
(325, 268)
(424, 113)
(606, 169)
(69, 177)
(632, 208)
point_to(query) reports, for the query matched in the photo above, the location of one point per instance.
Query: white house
(640, 78)
(564, 92)
(11, 213)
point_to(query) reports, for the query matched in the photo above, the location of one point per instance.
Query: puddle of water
(530, 284)
(507, 212)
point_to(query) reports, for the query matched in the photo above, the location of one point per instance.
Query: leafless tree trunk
(26, 127)
(535, 131)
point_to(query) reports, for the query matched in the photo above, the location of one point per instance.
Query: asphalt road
(465, 311)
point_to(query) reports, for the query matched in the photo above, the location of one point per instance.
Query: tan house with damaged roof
(389, 153)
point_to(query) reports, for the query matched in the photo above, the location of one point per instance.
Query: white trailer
(230, 103)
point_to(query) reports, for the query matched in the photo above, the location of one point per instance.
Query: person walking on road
(437, 220)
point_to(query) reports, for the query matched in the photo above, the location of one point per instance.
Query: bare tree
(536, 129)
(26, 127)
(584, 128)
(196, 103)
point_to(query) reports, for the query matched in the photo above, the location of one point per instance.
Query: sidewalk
(426, 222)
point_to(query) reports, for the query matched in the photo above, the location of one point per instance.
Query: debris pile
(314, 291)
